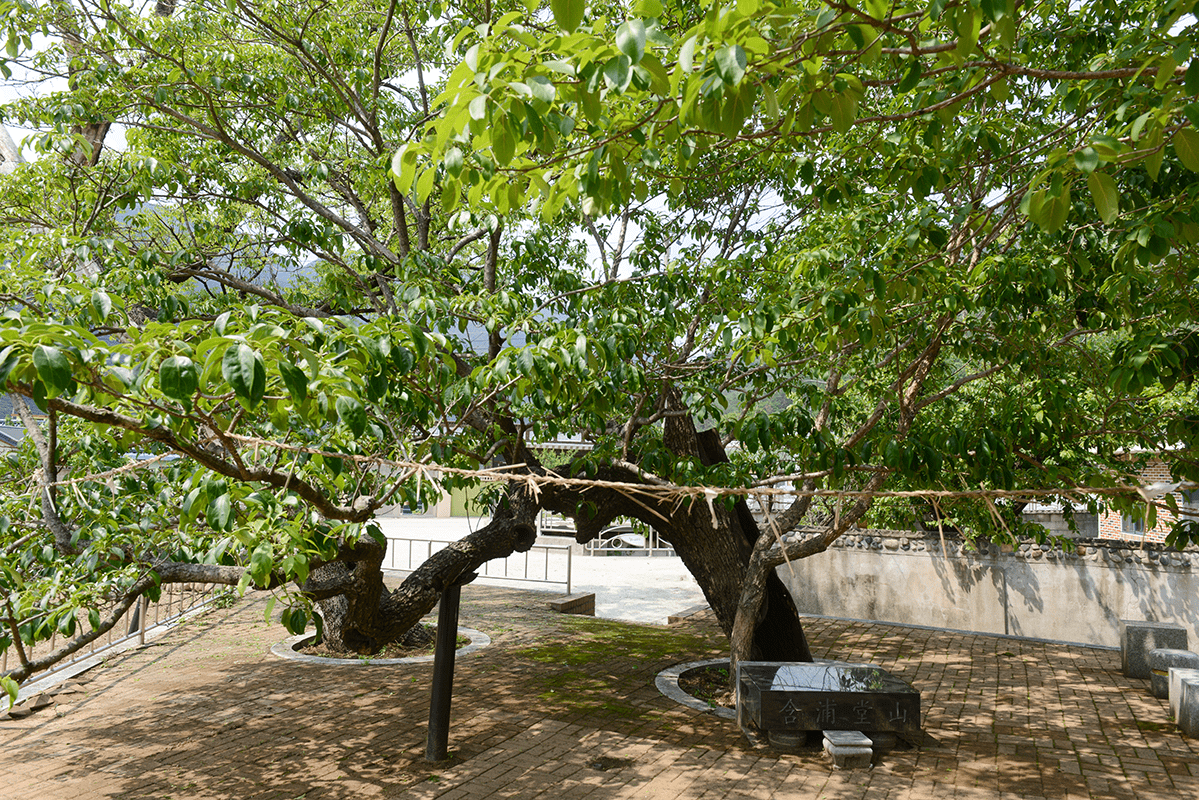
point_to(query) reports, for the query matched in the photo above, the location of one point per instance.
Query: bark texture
(714, 542)
(361, 615)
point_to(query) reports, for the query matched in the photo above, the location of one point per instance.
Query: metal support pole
(443, 672)
(143, 609)
(134, 618)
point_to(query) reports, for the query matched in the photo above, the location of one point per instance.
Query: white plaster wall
(1038, 593)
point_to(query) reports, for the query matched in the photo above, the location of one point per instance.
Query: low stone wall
(1035, 591)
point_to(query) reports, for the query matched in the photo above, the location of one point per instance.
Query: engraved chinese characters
(826, 696)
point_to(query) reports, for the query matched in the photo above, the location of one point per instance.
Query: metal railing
(175, 601)
(628, 542)
(551, 524)
(620, 540)
(542, 563)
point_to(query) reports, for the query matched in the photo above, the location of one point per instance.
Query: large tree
(346, 256)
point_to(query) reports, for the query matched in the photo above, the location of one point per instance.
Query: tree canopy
(348, 255)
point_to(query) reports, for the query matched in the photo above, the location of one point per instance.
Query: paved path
(631, 588)
(207, 712)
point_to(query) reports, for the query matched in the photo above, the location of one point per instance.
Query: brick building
(1114, 525)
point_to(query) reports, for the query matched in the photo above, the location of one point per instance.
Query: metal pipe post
(443, 675)
(143, 609)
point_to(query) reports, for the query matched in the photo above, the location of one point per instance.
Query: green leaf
(93, 618)
(295, 620)
(40, 397)
(101, 305)
(11, 688)
(590, 103)
(730, 64)
(525, 362)
(261, 564)
(8, 360)
(52, 368)
(503, 143)
(295, 380)
(352, 413)
(649, 8)
(1086, 159)
(1053, 212)
(242, 367)
(403, 359)
(618, 72)
(910, 78)
(420, 340)
(220, 512)
(178, 379)
(542, 89)
(843, 111)
(1106, 196)
(687, 55)
(478, 108)
(630, 39)
(296, 566)
(1190, 83)
(568, 13)
(1186, 145)
(1153, 161)
(994, 10)
(403, 170)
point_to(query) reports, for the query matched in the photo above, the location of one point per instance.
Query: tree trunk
(717, 557)
(360, 615)
(716, 543)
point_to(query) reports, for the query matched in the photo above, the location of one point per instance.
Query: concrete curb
(667, 682)
(286, 649)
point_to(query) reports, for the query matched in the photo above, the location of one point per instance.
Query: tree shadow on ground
(208, 713)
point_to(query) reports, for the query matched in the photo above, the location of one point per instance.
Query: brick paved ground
(207, 712)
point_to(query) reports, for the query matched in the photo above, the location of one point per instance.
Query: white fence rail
(175, 601)
(543, 563)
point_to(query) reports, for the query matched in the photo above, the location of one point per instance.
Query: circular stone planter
(287, 649)
(668, 684)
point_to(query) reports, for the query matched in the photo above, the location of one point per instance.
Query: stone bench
(1139, 637)
(583, 603)
(1160, 662)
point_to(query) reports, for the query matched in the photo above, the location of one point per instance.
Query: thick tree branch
(361, 510)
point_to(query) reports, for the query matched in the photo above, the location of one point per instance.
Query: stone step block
(1177, 675)
(1188, 707)
(848, 749)
(583, 603)
(1138, 637)
(1160, 661)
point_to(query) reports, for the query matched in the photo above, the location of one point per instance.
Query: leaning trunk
(716, 542)
(717, 554)
(361, 615)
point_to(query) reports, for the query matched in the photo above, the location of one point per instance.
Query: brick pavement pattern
(562, 707)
